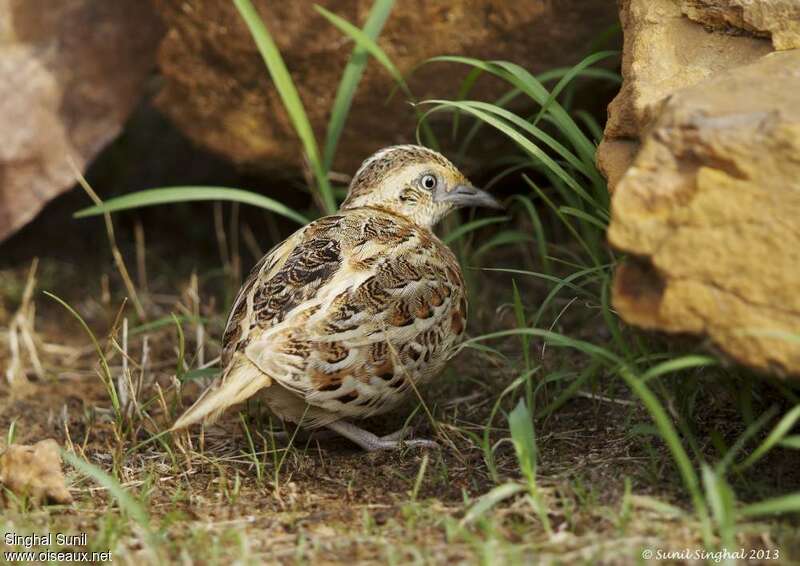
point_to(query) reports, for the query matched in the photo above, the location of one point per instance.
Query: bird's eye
(429, 182)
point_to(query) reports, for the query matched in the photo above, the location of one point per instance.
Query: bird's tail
(240, 381)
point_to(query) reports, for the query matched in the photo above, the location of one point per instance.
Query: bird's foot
(372, 443)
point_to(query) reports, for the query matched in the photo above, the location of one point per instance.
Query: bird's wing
(261, 302)
(287, 276)
(343, 314)
(388, 310)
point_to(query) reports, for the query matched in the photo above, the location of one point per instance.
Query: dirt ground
(235, 493)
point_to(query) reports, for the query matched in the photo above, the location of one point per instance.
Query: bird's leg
(371, 442)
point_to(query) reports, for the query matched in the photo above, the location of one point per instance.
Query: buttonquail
(337, 321)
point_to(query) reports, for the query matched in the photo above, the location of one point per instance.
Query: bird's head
(415, 182)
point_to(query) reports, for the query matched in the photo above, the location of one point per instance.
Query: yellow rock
(710, 209)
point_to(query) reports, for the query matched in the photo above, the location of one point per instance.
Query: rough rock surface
(35, 472)
(218, 91)
(701, 153)
(709, 210)
(614, 157)
(777, 19)
(70, 73)
(665, 51)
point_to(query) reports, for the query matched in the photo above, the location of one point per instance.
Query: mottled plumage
(340, 319)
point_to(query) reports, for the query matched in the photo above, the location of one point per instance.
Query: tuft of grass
(520, 422)
(291, 100)
(378, 14)
(105, 373)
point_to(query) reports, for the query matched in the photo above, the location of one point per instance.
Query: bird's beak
(467, 195)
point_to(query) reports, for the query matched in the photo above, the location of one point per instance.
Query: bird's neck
(388, 210)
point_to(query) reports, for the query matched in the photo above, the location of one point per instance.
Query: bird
(348, 315)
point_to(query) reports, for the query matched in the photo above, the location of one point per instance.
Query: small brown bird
(339, 320)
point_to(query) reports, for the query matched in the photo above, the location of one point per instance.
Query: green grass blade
(468, 227)
(678, 364)
(525, 81)
(721, 500)
(520, 423)
(128, 504)
(601, 74)
(569, 77)
(523, 437)
(591, 124)
(752, 429)
(472, 133)
(670, 436)
(170, 195)
(519, 314)
(371, 46)
(566, 281)
(463, 91)
(775, 506)
(350, 78)
(777, 434)
(492, 498)
(557, 210)
(610, 317)
(555, 339)
(503, 238)
(367, 43)
(488, 453)
(792, 442)
(585, 216)
(506, 98)
(530, 85)
(570, 390)
(536, 132)
(291, 99)
(106, 376)
(538, 230)
(657, 412)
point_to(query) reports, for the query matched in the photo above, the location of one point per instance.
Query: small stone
(35, 472)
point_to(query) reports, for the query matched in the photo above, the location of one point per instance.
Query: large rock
(70, 73)
(708, 209)
(217, 88)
